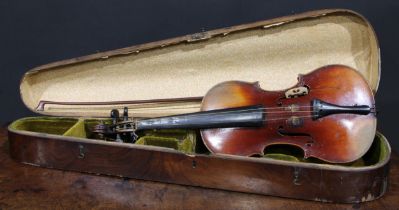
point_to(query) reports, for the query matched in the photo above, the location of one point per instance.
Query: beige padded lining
(274, 56)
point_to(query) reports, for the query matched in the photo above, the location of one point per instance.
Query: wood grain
(28, 187)
(337, 138)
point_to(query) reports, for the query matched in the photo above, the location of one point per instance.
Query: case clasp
(81, 152)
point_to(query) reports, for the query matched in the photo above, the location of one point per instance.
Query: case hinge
(199, 36)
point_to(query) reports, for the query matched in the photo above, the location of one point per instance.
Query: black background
(33, 33)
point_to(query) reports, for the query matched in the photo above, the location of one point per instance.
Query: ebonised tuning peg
(115, 116)
(133, 137)
(125, 118)
(125, 113)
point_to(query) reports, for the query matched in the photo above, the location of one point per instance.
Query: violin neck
(247, 116)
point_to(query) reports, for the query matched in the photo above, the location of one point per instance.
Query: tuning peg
(115, 116)
(133, 137)
(125, 114)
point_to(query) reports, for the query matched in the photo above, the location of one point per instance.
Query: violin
(329, 114)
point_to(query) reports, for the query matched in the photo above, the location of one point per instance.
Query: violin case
(170, 77)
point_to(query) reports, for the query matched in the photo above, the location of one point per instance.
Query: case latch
(296, 176)
(81, 152)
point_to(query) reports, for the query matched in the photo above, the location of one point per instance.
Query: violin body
(338, 138)
(329, 114)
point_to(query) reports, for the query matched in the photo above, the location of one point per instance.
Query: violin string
(231, 111)
(246, 110)
(266, 120)
(237, 112)
(127, 130)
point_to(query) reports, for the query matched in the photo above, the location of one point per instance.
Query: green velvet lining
(282, 157)
(158, 141)
(77, 130)
(377, 152)
(179, 139)
(182, 140)
(50, 125)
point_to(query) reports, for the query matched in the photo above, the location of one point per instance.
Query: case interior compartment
(179, 139)
(186, 141)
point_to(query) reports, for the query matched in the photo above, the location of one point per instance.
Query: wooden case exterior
(318, 182)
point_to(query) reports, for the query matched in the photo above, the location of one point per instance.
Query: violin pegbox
(129, 126)
(120, 130)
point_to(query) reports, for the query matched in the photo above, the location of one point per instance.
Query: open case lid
(171, 76)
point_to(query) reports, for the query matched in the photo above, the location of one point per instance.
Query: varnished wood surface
(338, 138)
(29, 187)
